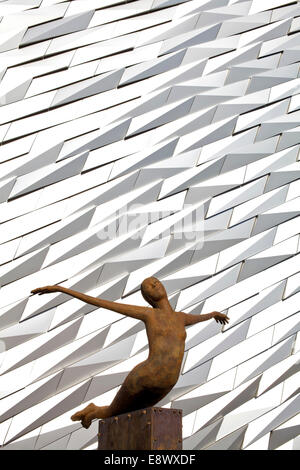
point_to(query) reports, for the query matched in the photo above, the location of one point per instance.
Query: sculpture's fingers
(39, 291)
(35, 291)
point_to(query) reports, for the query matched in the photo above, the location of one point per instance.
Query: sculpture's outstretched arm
(134, 311)
(190, 319)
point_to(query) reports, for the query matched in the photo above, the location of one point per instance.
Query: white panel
(150, 138)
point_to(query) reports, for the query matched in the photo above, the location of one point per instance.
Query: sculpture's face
(152, 289)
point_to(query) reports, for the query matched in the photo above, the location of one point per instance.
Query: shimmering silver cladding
(136, 115)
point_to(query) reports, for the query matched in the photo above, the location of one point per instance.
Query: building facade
(140, 138)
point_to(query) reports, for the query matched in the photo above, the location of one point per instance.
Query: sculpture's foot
(86, 415)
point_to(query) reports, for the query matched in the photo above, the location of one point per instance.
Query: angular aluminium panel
(155, 137)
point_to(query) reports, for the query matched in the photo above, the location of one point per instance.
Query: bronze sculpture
(151, 380)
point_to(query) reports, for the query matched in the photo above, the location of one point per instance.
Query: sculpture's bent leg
(138, 391)
(130, 400)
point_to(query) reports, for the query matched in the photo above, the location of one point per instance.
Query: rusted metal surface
(151, 380)
(147, 429)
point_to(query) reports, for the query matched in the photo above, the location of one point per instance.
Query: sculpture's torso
(151, 380)
(166, 335)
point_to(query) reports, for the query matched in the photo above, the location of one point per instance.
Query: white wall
(121, 127)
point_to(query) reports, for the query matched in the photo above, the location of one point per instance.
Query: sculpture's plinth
(146, 429)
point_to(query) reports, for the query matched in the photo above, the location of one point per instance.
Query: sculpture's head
(153, 290)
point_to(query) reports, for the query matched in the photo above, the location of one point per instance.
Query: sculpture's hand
(45, 290)
(220, 318)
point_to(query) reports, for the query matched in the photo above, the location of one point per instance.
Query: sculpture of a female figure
(152, 379)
